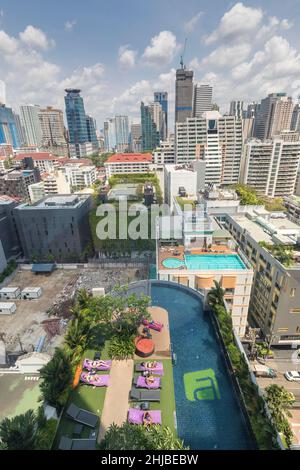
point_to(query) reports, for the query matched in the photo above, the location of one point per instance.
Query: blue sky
(120, 51)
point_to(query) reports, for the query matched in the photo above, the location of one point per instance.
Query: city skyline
(37, 64)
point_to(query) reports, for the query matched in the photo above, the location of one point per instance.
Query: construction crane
(182, 55)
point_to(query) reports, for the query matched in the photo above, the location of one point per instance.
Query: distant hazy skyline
(119, 52)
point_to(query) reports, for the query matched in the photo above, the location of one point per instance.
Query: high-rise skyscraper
(109, 129)
(216, 139)
(81, 127)
(53, 130)
(150, 133)
(295, 123)
(8, 131)
(161, 97)
(274, 116)
(236, 109)
(136, 138)
(122, 133)
(158, 117)
(202, 99)
(31, 124)
(183, 94)
(20, 130)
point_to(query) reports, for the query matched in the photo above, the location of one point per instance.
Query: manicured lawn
(167, 401)
(86, 397)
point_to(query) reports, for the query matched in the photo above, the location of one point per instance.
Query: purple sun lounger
(158, 370)
(97, 380)
(136, 416)
(140, 382)
(88, 364)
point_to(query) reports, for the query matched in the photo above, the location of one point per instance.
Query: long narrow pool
(208, 412)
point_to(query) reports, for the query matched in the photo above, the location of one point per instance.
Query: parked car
(292, 375)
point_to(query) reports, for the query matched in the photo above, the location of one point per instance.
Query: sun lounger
(154, 325)
(144, 395)
(76, 444)
(95, 380)
(82, 416)
(89, 364)
(140, 382)
(136, 416)
(158, 370)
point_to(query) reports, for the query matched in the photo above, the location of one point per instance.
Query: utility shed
(43, 268)
(31, 293)
(32, 362)
(10, 293)
(7, 308)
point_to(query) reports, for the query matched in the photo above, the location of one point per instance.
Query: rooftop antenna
(182, 55)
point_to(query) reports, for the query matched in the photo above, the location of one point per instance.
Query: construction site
(39, 324)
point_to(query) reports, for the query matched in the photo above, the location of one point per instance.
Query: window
(293, 292)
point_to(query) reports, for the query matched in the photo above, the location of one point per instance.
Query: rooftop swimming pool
(206, 262)
(208, 412)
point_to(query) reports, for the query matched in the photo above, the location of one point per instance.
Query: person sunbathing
(147, 419)
(94, 378)
(99, 363)
(150, 380)
(151, 365)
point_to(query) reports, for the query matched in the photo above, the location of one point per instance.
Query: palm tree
(216, 295)
(56, 377)
(164, 439)
(125, 437)
(18, 433)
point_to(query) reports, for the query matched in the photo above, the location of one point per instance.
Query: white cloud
(227, 56)
(36, 38)
(69, 25)
(8, 44)
(127, 57)
(190, 25)
(162, 49)
(237, 22)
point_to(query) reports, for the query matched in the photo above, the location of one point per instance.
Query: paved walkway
(115, 406)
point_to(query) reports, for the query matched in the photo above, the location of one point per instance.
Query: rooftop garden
(138, 178)
(284, 254)
(277, 398)
(249, 196)
(185, 201)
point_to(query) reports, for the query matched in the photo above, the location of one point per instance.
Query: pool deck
(169, 252)
(161, 338)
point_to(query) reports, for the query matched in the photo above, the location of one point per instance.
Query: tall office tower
(248, 128)
(252, 110)
(122, 133)
(20, 130)
(91, 130)
(161, 97)
(217, 140)
(31, 124)
(81, 129)
(295, 124)
(136, 138)
(150, 133)
(53, 131)
(158, 118)
(183, 94)
(275, 115)
(236, 109)
(109, 129)
(271, 166)
(202, 99)
(8, 130)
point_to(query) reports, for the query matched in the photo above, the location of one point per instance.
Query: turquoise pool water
(207, 408)
(206, 262)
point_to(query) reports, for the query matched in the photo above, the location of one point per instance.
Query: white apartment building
(80, 176)
(216, 139)
(128, 163)
(271, 167)
(56, 183)
(82, 150)
(165, 153)
(44, 161)
(184, 181)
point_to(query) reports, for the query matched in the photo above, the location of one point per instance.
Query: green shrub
(45, 435)
(121, 347)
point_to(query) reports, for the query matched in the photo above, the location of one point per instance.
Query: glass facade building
(8, 131)
(76, 117)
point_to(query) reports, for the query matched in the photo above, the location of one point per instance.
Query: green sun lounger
(82, 416)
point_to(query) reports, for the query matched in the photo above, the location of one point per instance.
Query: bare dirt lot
(24, 328)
